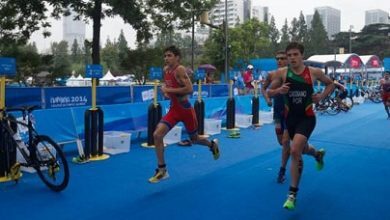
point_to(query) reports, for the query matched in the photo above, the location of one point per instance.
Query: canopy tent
(108, 79)
(346, 60)
(373, 66)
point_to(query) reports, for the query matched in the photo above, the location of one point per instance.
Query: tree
(318, 38)
(273, 33)
(373, 39)
(141, 59)
(61, 61)
(76, 53)
(122, 51)
(293, 30)
(19, 19)
(284, 39)
(110, 56)
(29, 16)
(302, 29)
(247, 41)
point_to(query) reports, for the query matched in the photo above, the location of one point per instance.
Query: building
(376, 16)
(331, 19)
(73, 30)
(261, 13)
(309, 19)
(238, 12)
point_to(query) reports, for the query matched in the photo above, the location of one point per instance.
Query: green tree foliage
(141, 59)
(110, 56)
(302, 29)
(76, 53)
(274, 34)
(19, 19)
(294, 30)
(61, 60)
(29, 16)
(122, 51)
(318, 42)
(183, 42)
(373, 39)
(247, 41)
(285, 37)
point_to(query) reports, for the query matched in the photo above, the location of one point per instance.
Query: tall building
(330, 19)
(261, 13)
(309, 19)
(377, 16)
(238, 12)
(73, 29)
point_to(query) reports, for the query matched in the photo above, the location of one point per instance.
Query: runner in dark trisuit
(296, 84)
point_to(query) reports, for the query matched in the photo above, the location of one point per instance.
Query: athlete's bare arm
(317, 74)
(277, 85)
(183, 80)
(264, 87)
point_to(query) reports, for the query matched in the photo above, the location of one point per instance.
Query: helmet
(250, 67)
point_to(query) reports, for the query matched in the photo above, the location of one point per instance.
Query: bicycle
(39, 152)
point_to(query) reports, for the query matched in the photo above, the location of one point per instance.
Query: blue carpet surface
(240, 185)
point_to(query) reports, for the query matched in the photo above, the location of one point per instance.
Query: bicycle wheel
(333, 108)
(376, 97)
(50, 163)
(348, 102)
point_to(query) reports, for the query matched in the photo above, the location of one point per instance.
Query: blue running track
(240, 185)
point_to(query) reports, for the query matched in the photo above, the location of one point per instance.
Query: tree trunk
(97, 16)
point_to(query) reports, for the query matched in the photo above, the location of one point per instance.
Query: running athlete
(385, 91)
(177, 87)
(278, 107)
(296, 84)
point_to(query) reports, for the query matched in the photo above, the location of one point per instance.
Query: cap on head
(250, 67)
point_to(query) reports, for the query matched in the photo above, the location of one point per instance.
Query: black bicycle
(37, 151)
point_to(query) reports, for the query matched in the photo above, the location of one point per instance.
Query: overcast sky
(352, 13)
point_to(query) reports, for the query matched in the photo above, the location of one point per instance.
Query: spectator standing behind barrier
(177, 87)
(385, 91)
(209, 78)
(239, 83)
(248, 78)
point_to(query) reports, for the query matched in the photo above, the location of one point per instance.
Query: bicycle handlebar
(23, 109)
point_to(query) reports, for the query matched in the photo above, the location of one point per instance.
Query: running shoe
(215, 149)
(15, 172)
(320, 159)
(80, 160)
(160, 174)
(290, 202)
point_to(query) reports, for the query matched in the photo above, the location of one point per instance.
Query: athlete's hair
(280, 52)
(174, 50)
(295, 45)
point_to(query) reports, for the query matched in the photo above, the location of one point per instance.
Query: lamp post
(193, 36)
(226, 42)
(350, 38)
(224, 27)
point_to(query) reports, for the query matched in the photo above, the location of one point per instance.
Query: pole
(193, 36)
(350, 38)
(226, 42)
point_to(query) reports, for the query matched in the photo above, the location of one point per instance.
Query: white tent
(108, 79)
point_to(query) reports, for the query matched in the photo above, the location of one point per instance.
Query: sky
(352, 13)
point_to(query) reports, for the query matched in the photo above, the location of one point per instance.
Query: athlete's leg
(191, 124)
(158, 135)
(161, 130)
